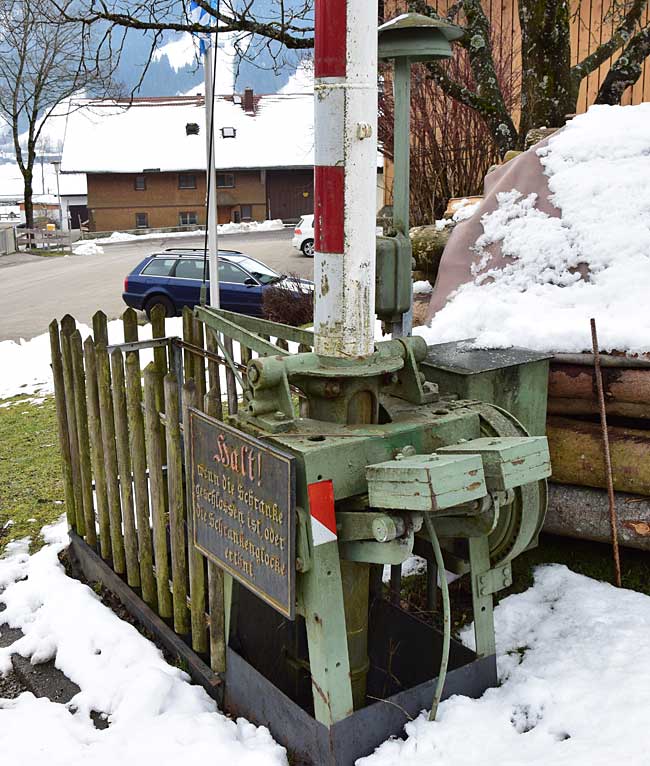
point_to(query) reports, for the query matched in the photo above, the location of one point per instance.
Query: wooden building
(145, 160)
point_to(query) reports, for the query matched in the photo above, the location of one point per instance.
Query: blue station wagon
(172, 279)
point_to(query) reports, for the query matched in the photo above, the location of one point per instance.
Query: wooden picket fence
(121, 441)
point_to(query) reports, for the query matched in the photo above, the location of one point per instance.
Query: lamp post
(408, 39)
(57, 169)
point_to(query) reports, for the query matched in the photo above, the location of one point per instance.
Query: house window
(142, 220)
(187, 219)
(140, 183)
(246, 212)
(186, 181)
(225, 180)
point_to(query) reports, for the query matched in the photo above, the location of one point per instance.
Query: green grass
(49, 253)
(31, 487)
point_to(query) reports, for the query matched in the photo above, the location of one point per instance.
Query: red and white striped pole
(345, 63)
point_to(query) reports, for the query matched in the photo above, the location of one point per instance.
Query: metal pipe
(606, 455)
(209, 64)
(345, 176)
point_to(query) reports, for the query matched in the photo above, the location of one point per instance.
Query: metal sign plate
(243, 505)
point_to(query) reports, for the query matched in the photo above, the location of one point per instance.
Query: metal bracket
(494, 580)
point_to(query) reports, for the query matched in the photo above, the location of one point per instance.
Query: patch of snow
(465, 210)
(222, 228)
(183, 50)
(155, 714)
(302, 80)
(422, 287)
(598, 169)
(574, 689)
(88, 248)
(26, 364)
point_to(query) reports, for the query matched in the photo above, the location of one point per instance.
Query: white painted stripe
(320, 534)
(329, 106)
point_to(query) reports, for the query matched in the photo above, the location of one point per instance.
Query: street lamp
(57, 169)
(408, 39)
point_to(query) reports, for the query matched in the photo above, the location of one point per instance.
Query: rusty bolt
(253, 373)
(300, 564)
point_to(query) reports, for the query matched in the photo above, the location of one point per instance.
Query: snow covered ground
(599, 171)
(223, 228)
(575, 689)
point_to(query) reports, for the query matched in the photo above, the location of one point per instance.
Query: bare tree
(549, 82)
(43, 63)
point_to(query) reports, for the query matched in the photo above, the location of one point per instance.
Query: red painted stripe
(329, 188)
(330, 38)
(321, 503)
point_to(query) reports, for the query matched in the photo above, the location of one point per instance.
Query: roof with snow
(12, 184)
(147, 134)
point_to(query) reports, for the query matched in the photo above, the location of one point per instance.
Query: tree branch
(620, 37)
(626, 70)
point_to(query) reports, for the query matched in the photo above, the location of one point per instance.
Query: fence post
(110, 457)
(99, 470)
(62, 420)
(124, 465)
(176, 505)
(197, 571)
(139, 460)
(81, 414)
(216, 606)
(157, 489)
(214, 377)
(68, 326)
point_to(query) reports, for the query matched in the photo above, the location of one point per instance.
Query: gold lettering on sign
(243, 460)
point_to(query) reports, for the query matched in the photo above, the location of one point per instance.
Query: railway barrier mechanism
(341, 458)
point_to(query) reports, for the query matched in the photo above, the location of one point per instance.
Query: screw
(279, 415)
(300, 564)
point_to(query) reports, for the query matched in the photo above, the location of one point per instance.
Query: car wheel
(160, 300)
(307, 248)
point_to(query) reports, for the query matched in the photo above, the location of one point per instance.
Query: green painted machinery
(407, 468)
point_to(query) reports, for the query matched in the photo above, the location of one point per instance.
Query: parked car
(303, 236)
(172, 279)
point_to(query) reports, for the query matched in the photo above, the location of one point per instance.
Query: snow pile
(155, 715)
(422, 287)
(599, 171)
(88, 248)
(26, 365)
(222, 228)
(575, 687)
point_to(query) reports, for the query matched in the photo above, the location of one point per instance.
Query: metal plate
(461, 358)
(243, 505)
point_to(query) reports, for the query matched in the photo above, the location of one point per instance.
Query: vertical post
(211, 222)
(157, 489)
(483, 606)
(68, 326)
(402, 162)
(62, 419)
(196, 569)
(124, 464)
(176, 505)
(84, 440)
(99, 469)
(345, 179)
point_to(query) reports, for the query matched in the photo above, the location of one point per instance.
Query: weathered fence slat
(157, 489)
(159, 356)
(176, 505)
(216, 614)
(100, 329)
(110, 457)
(199, 362)
(214, 377)
(124, 465)
(97, 448)
(231, 381)
(62, 420)
(139, 465)
(81, 414)
(196, 567)
(188, 337)
(68, 326)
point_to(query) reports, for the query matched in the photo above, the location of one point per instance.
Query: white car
(303, 235)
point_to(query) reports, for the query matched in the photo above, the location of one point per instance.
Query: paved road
(35, 290)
